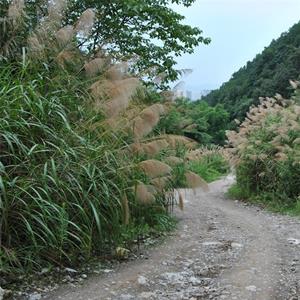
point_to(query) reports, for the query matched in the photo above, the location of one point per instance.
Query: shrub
(267, 150)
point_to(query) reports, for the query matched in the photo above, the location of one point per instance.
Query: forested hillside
(268, 73)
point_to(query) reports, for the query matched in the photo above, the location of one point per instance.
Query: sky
(239, 30)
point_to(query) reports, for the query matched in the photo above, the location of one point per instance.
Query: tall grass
(266, 151)
(70, 184)
(61, 182)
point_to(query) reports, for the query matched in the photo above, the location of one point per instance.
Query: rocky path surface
(221, 250)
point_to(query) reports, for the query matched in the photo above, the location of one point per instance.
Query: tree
(147, 30)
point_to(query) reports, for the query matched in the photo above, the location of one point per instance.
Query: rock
(147, 295)
(236, 245)
(35, 296)
(45, 270)
(84, 276)
(293, 241)
(251, 288)
(142, 280)
(173, 277)
(127, 297)
(194, 281)
(2, 292)
(107, 271)
(69, 270)
(212, 244)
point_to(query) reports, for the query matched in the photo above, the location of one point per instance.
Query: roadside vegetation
(197, 120)
(83, 171)
(266, 150)
(209, 162)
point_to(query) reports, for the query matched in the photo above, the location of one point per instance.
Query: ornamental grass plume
(68, 58)
(149, 149)
(86, 22)
(174, 160)
(154, 168)
(95, 66)
(117, 72)
(145, 194)
(113, 97)
(179, 140)
(203, 151)
(194, 181)
(162, 183)
(145, 122)
(35, 47)
(65, 35)
(123, 92)
(16, 9)
(265, 148)
(56, 10)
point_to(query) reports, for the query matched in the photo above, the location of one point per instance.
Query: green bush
(267, 149)
(196, 120)
(210, 167)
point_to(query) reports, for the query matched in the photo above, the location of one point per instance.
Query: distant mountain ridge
(267, 74)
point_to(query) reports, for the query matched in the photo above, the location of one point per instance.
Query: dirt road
(221, 250)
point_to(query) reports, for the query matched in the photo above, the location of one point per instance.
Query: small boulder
(142, 280)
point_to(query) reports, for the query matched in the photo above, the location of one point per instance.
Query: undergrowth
(210, 167)
(271, 201)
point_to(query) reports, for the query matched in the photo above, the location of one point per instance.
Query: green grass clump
(271, 201)
(210, 167)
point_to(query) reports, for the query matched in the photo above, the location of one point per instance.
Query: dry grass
(181, 201)
(194, 181)
(174, 161)
(143, 124)
(65, 35)
(145, 194)
(86, 22)
(265, 150)
(154, 168)
(162, 183)
(95, 66)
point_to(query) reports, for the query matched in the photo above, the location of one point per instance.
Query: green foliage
(267, 200)
(210, 167)
(197, 120)
(267, 148)
(68, 182)
(148, 30)
(267, 74)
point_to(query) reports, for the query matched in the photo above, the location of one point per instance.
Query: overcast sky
(239, 29)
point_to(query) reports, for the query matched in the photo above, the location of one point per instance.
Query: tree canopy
(148, 31)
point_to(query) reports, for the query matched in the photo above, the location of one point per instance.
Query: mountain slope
(269, 72)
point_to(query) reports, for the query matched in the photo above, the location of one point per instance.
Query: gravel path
(222, 249)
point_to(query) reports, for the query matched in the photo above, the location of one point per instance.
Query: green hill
(268, 73)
